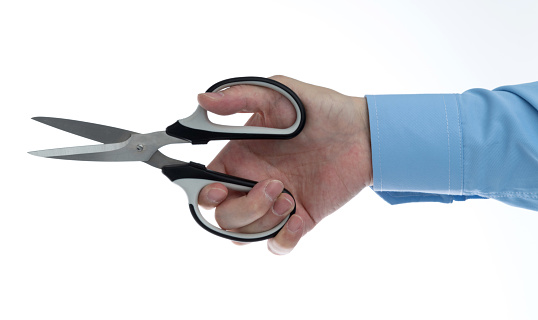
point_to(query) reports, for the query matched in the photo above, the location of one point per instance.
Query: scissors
(123, 145)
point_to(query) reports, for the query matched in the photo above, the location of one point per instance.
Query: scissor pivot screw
(140, 147)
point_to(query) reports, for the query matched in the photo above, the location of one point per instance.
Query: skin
(325, 166)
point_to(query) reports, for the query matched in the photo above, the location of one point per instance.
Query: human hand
(325, 166)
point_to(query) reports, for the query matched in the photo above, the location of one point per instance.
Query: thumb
(238, 99)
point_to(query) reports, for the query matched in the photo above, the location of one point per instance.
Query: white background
(116, 240)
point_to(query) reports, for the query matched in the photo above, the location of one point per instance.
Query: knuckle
(278, 248)
(279, 78)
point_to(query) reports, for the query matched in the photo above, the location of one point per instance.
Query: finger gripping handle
(193, 177)
(198, 129)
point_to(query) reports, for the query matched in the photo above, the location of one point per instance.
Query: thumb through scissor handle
(198, 129)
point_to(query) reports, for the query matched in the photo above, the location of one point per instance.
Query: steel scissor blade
(138, 147)
(92, 131)
(98, 152)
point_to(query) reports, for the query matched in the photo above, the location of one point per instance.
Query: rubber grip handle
(198, 129)
(193, 177)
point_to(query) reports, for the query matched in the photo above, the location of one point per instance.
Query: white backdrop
(116, 240)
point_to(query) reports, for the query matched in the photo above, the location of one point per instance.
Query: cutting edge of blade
(92, 131)
(80, 150)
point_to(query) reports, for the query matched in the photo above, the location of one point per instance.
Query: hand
(325, 166)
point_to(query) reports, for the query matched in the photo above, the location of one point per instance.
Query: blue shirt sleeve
(447, 147)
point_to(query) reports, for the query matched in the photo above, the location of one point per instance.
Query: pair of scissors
(123, 145)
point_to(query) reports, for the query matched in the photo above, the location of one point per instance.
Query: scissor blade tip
(48, 153)
(34, 153)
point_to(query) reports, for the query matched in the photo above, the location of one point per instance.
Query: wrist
(364, 136)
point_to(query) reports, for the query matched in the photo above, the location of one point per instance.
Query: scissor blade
(96, 132)
(139, 147)
(101, 152)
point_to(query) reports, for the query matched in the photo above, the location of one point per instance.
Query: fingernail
(214, 95)
(295, 223)
(273, 189)
(282, 206)
(216, 195)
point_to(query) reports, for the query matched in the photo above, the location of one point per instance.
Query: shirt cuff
(416, 144)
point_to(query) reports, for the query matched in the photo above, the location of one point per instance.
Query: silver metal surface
(92, 131)
(127, 145)
(159, 160)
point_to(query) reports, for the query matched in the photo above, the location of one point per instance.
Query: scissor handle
(198, 129)
(193, 177)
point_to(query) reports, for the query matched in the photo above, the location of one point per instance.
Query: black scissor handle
(198, 129)
(193, 177)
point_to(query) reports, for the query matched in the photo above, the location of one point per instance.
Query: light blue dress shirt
(446, 147)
